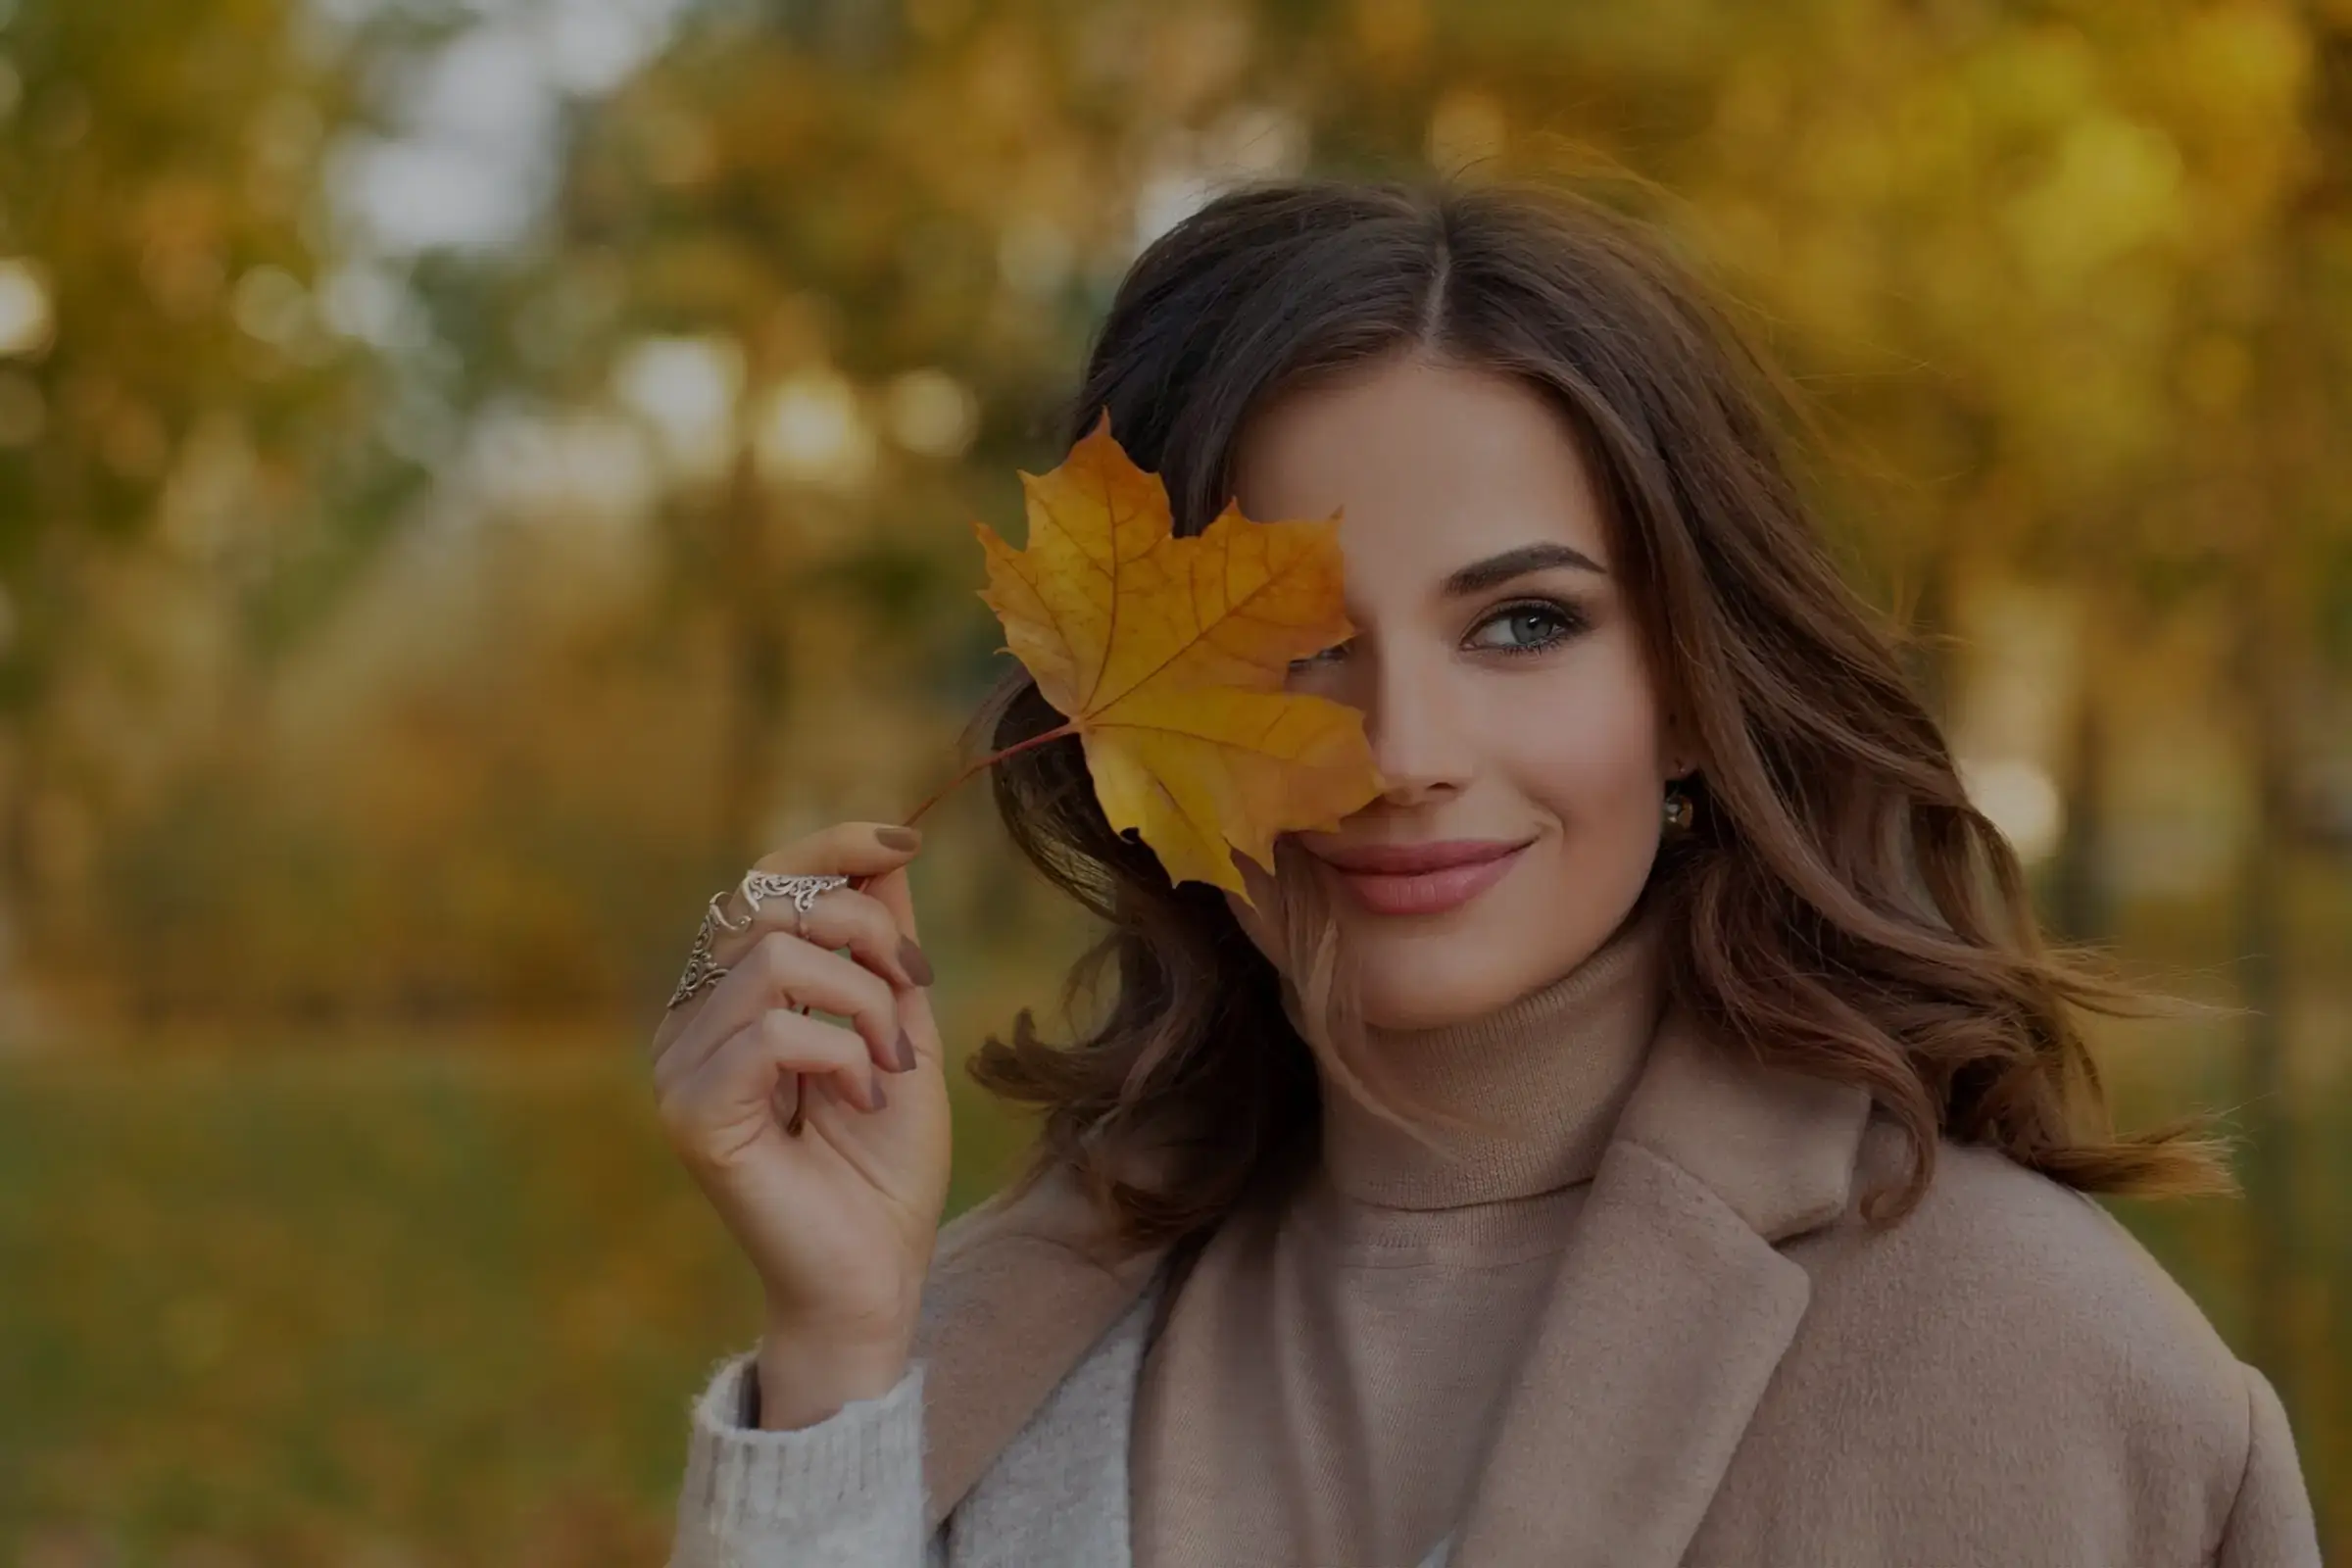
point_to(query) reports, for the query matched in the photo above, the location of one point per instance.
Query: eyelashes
(1565, 620)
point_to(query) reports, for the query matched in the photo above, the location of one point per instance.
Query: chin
(1419, 1011)
(1427, 981)
(1429, 975)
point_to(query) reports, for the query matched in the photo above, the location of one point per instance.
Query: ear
(1679, 748)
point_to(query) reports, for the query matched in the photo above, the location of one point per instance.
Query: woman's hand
(839, 1220)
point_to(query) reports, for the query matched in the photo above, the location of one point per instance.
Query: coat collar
(1670, 1310)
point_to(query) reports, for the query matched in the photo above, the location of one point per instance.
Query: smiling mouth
(1435, 890)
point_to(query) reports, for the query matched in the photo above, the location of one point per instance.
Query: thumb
(896, 896)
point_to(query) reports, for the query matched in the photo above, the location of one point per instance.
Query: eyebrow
(1495, 571)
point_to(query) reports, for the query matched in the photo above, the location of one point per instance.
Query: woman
(1650, 1132)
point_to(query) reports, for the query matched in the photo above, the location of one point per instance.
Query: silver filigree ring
(800, 890)
(702, 968)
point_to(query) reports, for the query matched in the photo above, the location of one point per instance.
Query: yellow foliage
(1169, 656)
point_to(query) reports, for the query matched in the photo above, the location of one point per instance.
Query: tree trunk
(2081, 903)
(2263, 989)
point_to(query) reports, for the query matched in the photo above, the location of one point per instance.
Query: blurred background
(475, 473)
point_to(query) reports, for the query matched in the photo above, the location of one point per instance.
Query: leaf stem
(990, 761)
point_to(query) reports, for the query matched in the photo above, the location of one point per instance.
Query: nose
(1413, 721)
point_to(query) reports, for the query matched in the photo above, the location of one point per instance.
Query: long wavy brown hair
(1838, 908)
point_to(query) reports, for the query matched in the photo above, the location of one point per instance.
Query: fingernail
(905, 1052)
(915, 964)
(881, 1095)
(899, 838)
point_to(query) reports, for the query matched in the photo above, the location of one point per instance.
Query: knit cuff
(847, 1490)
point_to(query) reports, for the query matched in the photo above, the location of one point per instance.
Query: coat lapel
(1020, 1289)
(1670, 1310)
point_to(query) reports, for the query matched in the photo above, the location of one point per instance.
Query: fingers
(891, 892)
(747, 1066)
(839, 917)
(782, 971)
(845, 849)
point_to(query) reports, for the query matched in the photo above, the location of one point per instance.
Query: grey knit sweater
(847, 1492)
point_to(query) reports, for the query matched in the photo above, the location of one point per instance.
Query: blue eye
(1534, 626)
(1540, 623)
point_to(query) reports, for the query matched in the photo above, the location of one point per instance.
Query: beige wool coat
(1730, 1370)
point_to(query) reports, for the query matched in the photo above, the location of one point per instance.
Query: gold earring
(1678, 810)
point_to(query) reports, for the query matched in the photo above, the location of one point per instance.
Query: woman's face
(1504, 686)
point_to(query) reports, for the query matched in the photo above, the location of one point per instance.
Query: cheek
(1591, 760)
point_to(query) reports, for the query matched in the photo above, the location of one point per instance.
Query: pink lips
(1422, 878)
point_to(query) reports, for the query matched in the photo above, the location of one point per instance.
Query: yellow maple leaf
(1167, 656)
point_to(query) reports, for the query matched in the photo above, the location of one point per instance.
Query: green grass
(438, 1307)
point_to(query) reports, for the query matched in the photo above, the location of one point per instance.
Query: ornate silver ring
(702, 968)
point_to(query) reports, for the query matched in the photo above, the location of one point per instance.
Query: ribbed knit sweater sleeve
(846, 1493)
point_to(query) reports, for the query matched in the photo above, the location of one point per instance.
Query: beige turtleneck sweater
(1321, 1390)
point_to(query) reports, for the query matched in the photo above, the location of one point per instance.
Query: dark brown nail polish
(899, 838)
(881, 1095)
(911, 956)
(905, 1046)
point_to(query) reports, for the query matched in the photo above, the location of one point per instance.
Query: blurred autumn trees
(2068, 285)
(415, 632)
(678, 559)
(187, 455)
(426, 667)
